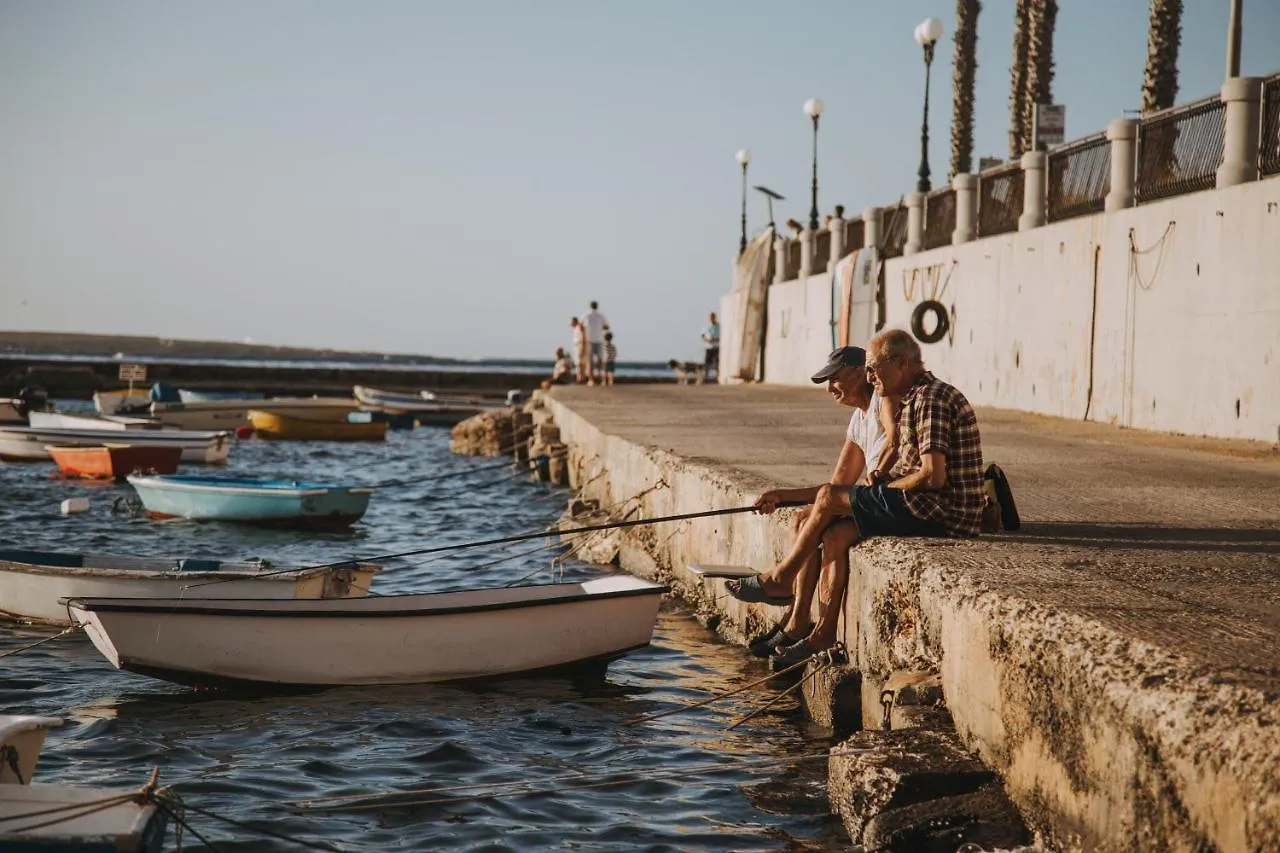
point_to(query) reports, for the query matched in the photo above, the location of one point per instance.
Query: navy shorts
(881, 511)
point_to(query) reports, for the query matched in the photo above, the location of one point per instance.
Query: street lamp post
(927, 34)
(813, 109)
(743, 157)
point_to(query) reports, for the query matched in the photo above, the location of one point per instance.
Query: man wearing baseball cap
(934, 489)
(867, 452)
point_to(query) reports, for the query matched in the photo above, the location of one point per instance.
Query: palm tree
(1018, 77)
(962, 76)
(1039, 84)
(1164, 36)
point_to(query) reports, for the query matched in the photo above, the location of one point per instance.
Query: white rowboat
(33, 582)
(27, 444)
(394, 639)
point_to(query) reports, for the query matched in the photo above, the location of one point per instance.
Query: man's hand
(768, 502)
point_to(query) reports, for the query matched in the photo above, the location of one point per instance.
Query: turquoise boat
(280, 503)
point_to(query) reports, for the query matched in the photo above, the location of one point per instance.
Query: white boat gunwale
(267, 572)
(256, 491)
(226, 607)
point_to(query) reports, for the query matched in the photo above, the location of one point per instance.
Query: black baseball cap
(840, 358)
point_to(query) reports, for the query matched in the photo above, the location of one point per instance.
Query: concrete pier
(1116, 662)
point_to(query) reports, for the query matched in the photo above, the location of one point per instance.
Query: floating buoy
(245, 431)
(73, 505)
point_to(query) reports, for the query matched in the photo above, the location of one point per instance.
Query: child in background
(610, 356)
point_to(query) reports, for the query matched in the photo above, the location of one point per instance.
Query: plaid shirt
(935, 416)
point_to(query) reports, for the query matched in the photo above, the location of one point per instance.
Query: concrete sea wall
(1162, 316)
(1104, 741)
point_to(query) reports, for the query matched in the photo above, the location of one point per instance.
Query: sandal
(768, 644)
(750, 591)
(792, 655)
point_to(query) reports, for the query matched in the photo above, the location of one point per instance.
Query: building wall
(1164, 316)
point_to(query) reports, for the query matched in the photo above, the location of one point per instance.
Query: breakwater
(1109, 668)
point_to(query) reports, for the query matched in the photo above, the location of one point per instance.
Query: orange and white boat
(114, 461)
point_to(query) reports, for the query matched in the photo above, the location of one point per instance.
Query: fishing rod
(523, 537)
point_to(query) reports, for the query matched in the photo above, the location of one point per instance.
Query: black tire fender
(942, 321)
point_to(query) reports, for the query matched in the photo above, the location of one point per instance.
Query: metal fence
(1269, 141)
(855, 231)
(999, 200)
(1180, 149)
(1079, 178)
(894, 229)
(939, 218)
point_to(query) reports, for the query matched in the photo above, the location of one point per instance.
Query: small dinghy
(426, 411)
(272, 425)
(37, 817)
(33, 582)
(27, 444)
(393, 639)
(281, 503)
(114, 461)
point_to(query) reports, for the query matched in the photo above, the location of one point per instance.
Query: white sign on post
(1051, 123)
(133, 373)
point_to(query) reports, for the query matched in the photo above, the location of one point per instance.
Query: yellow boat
(287, 427)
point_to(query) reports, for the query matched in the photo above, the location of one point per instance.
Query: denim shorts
(881, 511)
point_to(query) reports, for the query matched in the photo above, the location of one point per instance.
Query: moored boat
(27, 444)
(273, 425)
(33, 582)
(114, 461)
(394, 639)
(290, 503)
(66, 420)
(36, 816)
(426, 411)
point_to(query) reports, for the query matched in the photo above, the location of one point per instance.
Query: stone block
(878, 771)
(833, 698)
(985, 817)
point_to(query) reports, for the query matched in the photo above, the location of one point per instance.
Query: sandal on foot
(750, 591)
(767, 645)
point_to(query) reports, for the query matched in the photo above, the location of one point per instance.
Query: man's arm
(929, 477)
(848, 467)
(889, 410)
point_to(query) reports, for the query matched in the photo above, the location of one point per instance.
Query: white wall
(1183, 328)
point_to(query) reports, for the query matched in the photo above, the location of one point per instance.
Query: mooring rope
(822, 666)
(64, 632)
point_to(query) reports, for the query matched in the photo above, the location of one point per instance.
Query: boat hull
(381, 641)
(115, 461)
(33, 591)
(28, 444)
(131, 826)
(232, 414)
(275, 426)
(313, 506)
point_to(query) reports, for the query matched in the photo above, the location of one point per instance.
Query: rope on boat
(366, 802)
(310, 845)
(64, 632)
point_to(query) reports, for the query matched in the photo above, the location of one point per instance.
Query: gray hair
(895, 343)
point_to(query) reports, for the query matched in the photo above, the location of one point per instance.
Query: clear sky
(458, 178)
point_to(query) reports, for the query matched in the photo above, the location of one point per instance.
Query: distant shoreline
(35, 344)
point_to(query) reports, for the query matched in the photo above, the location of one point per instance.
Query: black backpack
(997, 488)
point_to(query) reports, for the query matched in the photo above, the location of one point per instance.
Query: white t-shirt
(594, 322)
(579, 338)
(866, 432)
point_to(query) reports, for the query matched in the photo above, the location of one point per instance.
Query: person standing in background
(610, 357)
(711, 337)
(579, 347)
(595, 325)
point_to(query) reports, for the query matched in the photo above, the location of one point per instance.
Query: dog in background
(687, 371)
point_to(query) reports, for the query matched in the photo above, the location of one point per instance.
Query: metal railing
(1269, 140)
(1079, 177)
(821, 251)
(1180, 149)
(999, 199)
(894, 228)
(939, 218)
(855, 231)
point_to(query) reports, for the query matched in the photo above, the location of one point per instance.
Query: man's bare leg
(830, 504)
(799, 622)
(836, 542)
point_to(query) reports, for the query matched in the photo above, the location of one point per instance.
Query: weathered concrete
(1115, 660)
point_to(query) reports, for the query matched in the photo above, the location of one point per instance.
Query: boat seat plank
(722, 571)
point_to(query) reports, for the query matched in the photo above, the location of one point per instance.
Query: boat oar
(538, 534)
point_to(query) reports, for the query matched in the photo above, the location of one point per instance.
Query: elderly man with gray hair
(935, 489)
